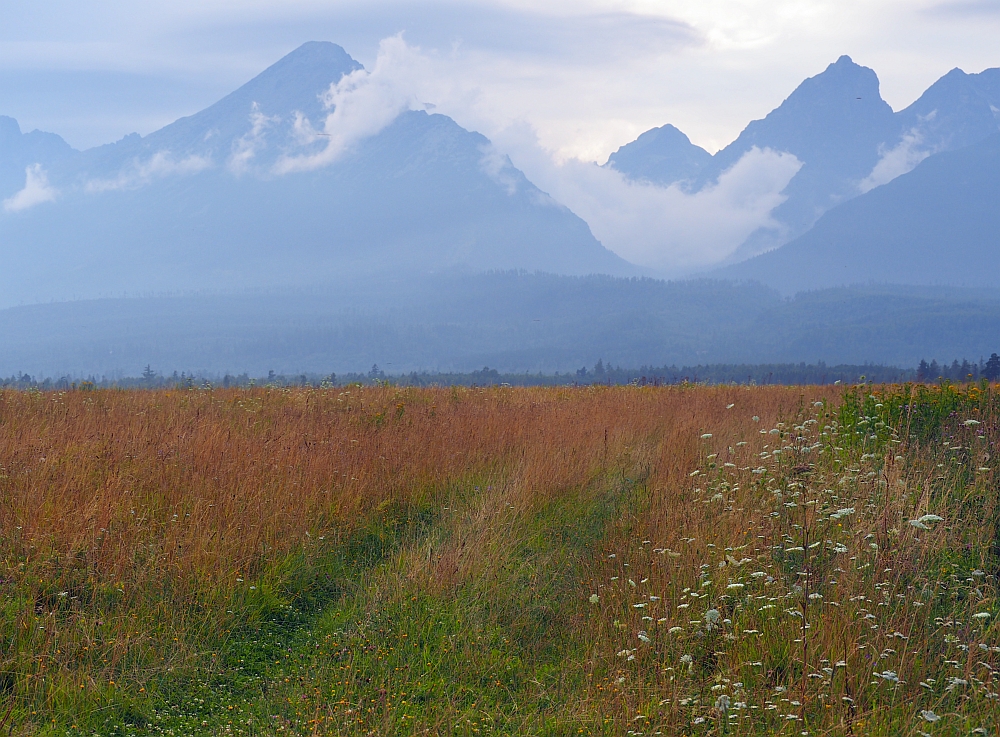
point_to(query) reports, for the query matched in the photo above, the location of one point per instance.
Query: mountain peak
(958, 110)
(844, 76)
(295, 81)
(9, 127)
(311, 58)
(293, 84)
(835, 113)
(660, 155)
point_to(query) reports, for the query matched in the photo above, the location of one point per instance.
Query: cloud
(662, 228)
(139, 173)
(362, 103)
(36, 191)
(498, 167)
(245, 148)
(899, 159)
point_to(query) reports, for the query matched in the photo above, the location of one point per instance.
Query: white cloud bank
(245, 148)
(139, 173)
(666, 228)
(36, 191)
(896, 161)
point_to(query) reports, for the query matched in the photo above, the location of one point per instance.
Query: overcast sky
(586, 75)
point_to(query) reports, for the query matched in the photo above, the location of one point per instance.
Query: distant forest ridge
(789, 374)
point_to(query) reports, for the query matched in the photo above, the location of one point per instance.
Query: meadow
(684, 560)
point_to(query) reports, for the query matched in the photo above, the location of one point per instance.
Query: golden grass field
(598, 560)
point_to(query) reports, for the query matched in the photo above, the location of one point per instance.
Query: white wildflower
(929, 716)
(923, 523)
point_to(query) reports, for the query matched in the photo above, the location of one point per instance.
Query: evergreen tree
(991, 370)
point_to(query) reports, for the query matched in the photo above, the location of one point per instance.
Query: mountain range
(252, 193)
(850, 143)
(267, 232)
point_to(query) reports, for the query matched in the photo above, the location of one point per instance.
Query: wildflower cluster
(829, 571)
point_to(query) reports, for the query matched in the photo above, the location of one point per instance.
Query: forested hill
(513, 322)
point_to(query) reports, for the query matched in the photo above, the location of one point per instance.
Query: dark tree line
(600, 373)
(964, 371)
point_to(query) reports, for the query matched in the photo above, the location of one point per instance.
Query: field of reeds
(544, 561)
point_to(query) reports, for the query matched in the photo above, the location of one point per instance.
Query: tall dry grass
(195, 487)
(131, 521)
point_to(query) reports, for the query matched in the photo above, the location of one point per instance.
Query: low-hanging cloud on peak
(245, 147)
(896, 161)
(36, 191)
(140, 173)
(662, 228)
(666, 228)
(498, 167)
(361, 105)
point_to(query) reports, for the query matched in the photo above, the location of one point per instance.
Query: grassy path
(374, 650)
